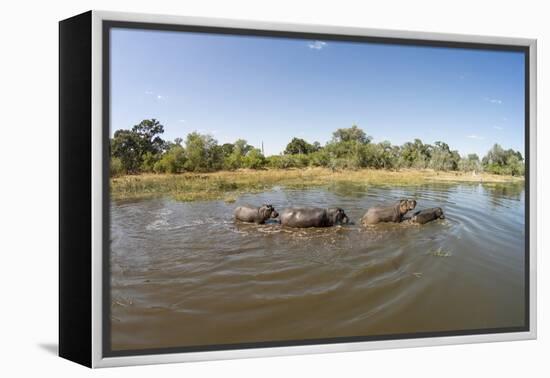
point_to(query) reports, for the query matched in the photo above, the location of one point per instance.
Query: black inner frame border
(107, 25)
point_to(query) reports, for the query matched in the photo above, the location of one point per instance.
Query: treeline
(141, 149)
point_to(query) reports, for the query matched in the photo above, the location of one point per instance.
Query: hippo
(427, 215)
(313, 217)
(255, 214)
(393, 213)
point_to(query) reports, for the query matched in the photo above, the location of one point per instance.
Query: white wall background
(28, 189)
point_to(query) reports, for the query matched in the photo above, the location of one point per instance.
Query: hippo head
(268, 211)
(406, 205)
(439, 213)
(338, 216)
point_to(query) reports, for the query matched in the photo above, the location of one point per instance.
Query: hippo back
(382, 214)
(304, 217)
(246, 214)
(427, 215)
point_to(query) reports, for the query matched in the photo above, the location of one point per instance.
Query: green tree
(235, 159)
(442, 158)
(202, 153)
(415, 154)
(320, 158)
(148, 132)
(380, 155)
(495, 156)
(141, 149)
(196, 152)
(500, 161)
(148, 161)
(242, 147)
(172, 161)
(300, 146)
(126, 146)
(349, 148)
(214, 160)
(515, 165)
(470, 163)
(142, 142)
(227, 149)
(352, 134)
(254, 159)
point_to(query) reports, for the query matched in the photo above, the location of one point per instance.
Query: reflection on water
(497, 192)
(185, 274)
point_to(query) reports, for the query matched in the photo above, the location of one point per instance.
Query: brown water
(184, 274)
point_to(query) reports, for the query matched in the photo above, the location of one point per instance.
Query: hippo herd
(302, 217)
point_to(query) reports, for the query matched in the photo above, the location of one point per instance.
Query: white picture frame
(97, 358)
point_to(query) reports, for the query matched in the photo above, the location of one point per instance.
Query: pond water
(185, 274)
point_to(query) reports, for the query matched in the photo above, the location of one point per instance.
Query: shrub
(116, 167)
(254, 159)
(319, 158)
(172, 161)
(149, 161)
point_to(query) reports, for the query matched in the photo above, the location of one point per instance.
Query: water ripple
(187, 274)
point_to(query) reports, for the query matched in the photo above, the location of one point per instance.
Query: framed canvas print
(236, 189)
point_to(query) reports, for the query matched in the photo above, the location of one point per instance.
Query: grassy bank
(228, 185)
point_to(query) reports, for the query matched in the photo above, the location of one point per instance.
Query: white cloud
(493, 100)
(497, 127)
(208, 132)
(317, 45)
(474, 136)
(181, 120)
(157, 96)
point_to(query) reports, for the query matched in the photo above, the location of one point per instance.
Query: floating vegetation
(440, 253)
(230, 198)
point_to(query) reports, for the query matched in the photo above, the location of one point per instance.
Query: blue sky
(272, 89)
